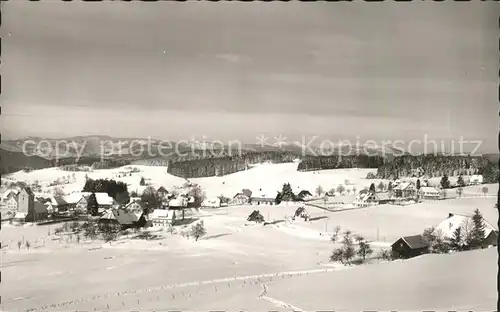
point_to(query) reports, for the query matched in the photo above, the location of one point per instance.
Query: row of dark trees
(111, 163)
(116, 190)
(339, 162)
(221, 166)
(287, 194)
(433, 166)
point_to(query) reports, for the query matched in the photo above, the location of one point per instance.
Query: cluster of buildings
(415, 245)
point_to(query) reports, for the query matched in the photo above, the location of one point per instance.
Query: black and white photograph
(249, 156)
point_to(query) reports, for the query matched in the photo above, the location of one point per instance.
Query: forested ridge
(339, 162)
(432, 166)
(220, 166)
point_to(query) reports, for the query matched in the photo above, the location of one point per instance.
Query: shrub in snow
(198, 230)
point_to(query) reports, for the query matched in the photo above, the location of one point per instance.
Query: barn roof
(415, 241)
(402, 186)
(429, 189)
(58, 201)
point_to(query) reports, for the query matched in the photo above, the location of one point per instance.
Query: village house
(405, 190)
(262, 201)
(82, 205)
(134, 205)
(428, 192)
(162, 217)
(240, 199)
(28, 209)
(9, 201)
(384, 198)
(125, 219)
(365, 199)
(476, 180)
(59, 204)
(409, 247)
(304, 195)
(454, 221)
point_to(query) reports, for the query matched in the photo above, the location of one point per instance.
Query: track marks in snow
(66, 304)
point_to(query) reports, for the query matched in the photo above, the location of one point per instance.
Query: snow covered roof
(402, 186)
(454, 221)
(73, 198)
(162, 214)
(429, 189)
(58, 201)
(103, 199)
(123, 217)
(9, 193)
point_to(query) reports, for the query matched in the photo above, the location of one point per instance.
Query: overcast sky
(235, 70)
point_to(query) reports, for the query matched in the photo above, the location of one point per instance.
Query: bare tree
(319, 190)
(335, 235)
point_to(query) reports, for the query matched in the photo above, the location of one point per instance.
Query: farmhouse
(59, 204)
(122, 217)
(384, 198)
(162, 217)
(405, 190)
(240, 199)
(409, 246)
(301, 212)
(454, 221)
(427, 192)
(476, 180)
(304, 195)
(81, 205)
(262, 201)
(9, 201)
(134, 205)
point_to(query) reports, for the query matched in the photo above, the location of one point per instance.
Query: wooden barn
(409, 247)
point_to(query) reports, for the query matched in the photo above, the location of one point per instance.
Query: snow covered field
(226, 269)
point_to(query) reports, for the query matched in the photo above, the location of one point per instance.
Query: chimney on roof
(450, 215)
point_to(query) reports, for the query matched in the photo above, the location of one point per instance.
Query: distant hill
(13, 159)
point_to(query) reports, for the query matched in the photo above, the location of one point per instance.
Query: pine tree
(319, 190)
(142, 183)
(372, 188)
(478, 229)
(198, 230)
(92, 205)
(456, 241)
(445, 182)
(418, 185)
(287, 193)
(460, 181)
